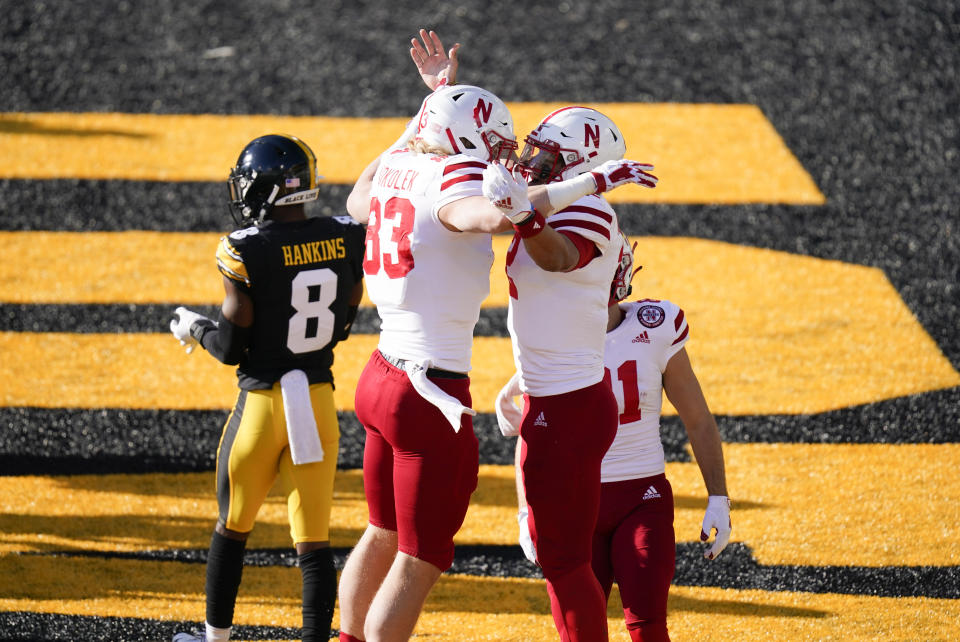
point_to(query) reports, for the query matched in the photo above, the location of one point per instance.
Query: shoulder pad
(664, 319)
(230, 260)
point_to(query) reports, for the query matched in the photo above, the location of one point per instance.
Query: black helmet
(272, 171)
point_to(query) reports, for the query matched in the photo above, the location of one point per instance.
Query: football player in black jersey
(292, 286)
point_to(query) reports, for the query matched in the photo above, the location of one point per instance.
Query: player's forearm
(224, 340)
(549, 199)
(518, 473)
(708, 451)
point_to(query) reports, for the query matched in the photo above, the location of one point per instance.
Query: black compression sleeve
(224, 340)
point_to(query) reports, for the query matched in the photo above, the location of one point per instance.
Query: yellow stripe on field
(135, 267)
(793, 504)
(153, 371)
(702, 153)
(771, 332)
(464, 608)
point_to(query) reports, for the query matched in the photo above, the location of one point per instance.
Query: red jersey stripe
(583, 209)
(683, 335)
(678, 321)
(460, 179)
(465, 165)
(586, 225)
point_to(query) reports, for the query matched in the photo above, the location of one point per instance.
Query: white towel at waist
(305, 446)
(509, 414)
(449, 405)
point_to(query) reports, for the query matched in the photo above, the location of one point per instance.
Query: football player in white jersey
(558, 273)
(633, 542)
(429, 253)
(427, 265)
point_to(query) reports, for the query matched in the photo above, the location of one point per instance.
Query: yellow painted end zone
(831, 494)
(702, 153)
(771, 332)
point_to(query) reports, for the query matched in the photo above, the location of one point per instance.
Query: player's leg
(363, 574)
(644, 556)
(435, 472)
(399, 602)
(309, 492)
(246, 469)
(370, 560)
(602, 560)
(565, 437)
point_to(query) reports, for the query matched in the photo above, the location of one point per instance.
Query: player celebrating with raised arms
(559, 272)
(429, 253)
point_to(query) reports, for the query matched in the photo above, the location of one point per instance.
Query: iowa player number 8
(311, 328)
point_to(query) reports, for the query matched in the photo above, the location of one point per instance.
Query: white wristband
(565, 193)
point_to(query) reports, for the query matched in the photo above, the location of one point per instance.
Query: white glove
(717, 517)
(180, 326)
(507, 193)
(615, 173)
(526, 542)
(509, 413)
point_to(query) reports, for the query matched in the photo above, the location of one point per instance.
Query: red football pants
(634, 544)
(418, 474)
(564, 439)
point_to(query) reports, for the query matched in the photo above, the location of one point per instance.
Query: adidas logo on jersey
(651, 494)
(643, 337)
(540, 420)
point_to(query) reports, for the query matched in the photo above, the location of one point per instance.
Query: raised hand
(437, 67)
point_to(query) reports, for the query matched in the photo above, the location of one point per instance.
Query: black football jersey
(300, 276)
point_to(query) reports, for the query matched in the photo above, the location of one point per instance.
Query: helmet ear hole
(467, 143)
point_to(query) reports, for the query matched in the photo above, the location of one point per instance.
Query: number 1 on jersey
(627, 375)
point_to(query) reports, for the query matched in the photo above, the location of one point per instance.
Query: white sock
(217, 635)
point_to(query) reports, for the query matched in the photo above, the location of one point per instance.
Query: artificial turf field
(806, 220)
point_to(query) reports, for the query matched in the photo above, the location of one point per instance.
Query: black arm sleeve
(224, 340)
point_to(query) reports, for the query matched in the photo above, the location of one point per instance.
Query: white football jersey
(637, 352)
(426, 280)
(558, 320)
